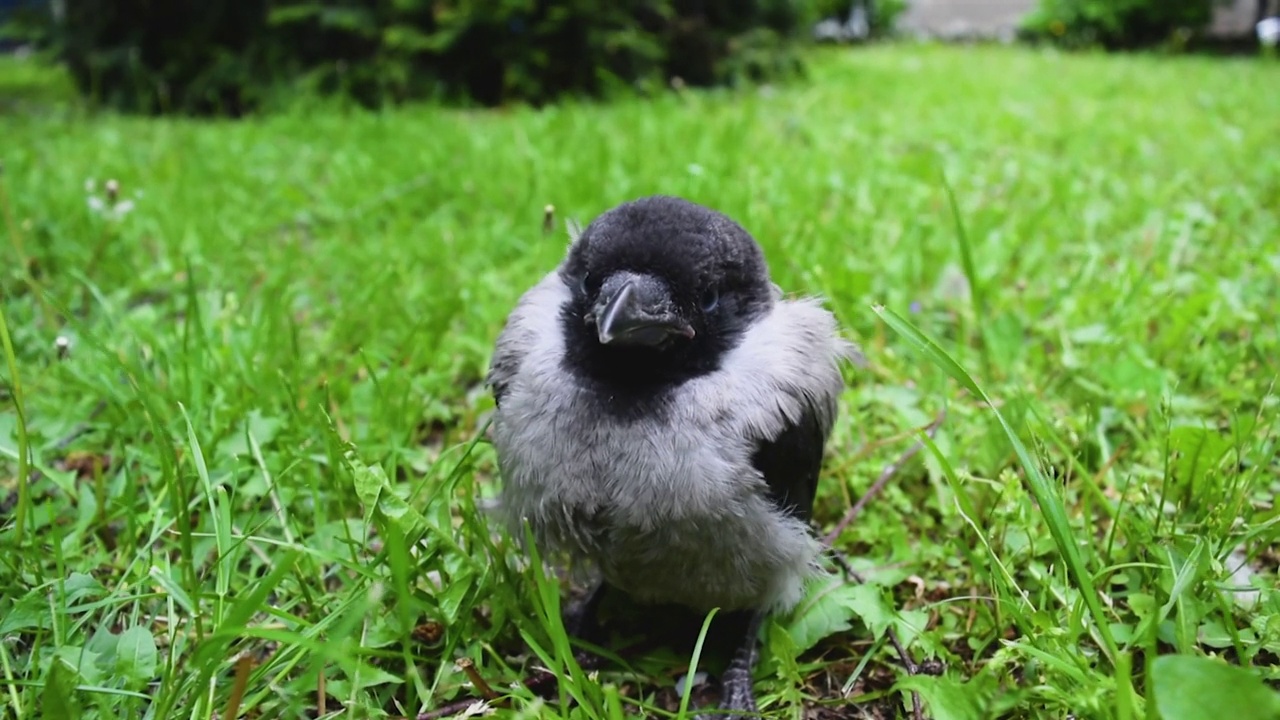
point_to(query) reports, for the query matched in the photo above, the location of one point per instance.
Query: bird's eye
(582, 284)
(710, 299)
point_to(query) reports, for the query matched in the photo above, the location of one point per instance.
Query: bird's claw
(737, 698)
(737, 695)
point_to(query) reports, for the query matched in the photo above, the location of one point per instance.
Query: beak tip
(625, 319)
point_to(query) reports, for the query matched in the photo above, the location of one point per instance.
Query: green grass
(272, 390)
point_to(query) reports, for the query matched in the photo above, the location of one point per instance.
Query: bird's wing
(526, 331)
(791, 461)
(501, 370)
(787, 377)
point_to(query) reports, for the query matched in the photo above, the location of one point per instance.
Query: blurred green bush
(229, 56)
(1118, 24)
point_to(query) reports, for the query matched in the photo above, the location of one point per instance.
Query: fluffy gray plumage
(684, 471)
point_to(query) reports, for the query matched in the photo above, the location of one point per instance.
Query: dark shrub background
(1118, 24)
(230, 56)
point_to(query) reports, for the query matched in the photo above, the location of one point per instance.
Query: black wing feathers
(791, 463)
(500, 373)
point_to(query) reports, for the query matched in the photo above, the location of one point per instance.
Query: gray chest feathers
(669, 510)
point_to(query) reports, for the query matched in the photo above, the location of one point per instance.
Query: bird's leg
(737, 694)
(582, 623)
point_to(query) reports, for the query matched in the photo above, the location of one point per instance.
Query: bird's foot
(581, 623)
(737, 698)
(736, 692)
(737, 695)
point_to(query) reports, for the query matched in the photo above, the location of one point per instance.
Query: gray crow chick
(662, 413)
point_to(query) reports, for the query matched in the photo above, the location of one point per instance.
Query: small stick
(321, 698)
(889, 471)
(548, 218)
(912, 668)
(481, 686)
(243, 665)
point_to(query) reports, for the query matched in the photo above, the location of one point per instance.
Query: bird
(661, 413)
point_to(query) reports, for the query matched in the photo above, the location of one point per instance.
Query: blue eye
(582, 284)
(710, 299)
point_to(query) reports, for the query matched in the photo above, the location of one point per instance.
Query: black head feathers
(688, 244)
(711, 272)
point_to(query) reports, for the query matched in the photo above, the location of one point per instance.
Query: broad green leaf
(869, 604)
(825, 610)
(829, 608)
(909, 624)
(374, 490)
(8, 429)
(136, 654)
(370, 676)
(80, 660)
(782, 651)
(1197, 453)
(103, 643)
(1190, 687)
(32, 611)
(454, 593)
(58, 701)
(80, 586)
(946, 698)
(1212, 633)
(263, 428)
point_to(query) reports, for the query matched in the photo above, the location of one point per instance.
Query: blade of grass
(976, 292)
(10, 683)
(970, 515)
(219, 513)
(693, 664)
(19, 249)
(547, 603)
(24, 447)
(1050, 504)
(1126, 699)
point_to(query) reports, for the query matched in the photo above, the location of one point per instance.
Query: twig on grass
(889, 471)
(244, 665)
(477, 680)
(912, 668)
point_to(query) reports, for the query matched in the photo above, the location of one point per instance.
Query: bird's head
(662, 288)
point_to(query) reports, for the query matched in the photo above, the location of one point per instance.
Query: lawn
(250, 384)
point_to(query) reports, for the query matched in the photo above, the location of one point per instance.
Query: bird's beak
(638, 312)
